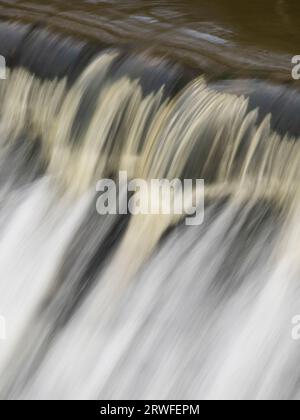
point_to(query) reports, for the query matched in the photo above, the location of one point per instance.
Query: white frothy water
(100, 307)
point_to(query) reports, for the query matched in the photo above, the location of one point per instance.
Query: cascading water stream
(144, 307)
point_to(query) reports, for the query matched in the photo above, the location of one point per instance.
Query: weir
(144, 307)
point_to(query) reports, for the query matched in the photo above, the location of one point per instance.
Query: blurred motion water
(144, 307)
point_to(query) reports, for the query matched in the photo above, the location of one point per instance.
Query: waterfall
(144, 307)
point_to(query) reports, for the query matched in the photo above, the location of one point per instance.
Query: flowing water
(144, 307)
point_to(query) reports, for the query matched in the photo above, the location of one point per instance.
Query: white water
(207, 312)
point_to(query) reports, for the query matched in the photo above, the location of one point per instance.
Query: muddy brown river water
(257, 37)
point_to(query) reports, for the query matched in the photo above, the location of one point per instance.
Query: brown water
(257, 37)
